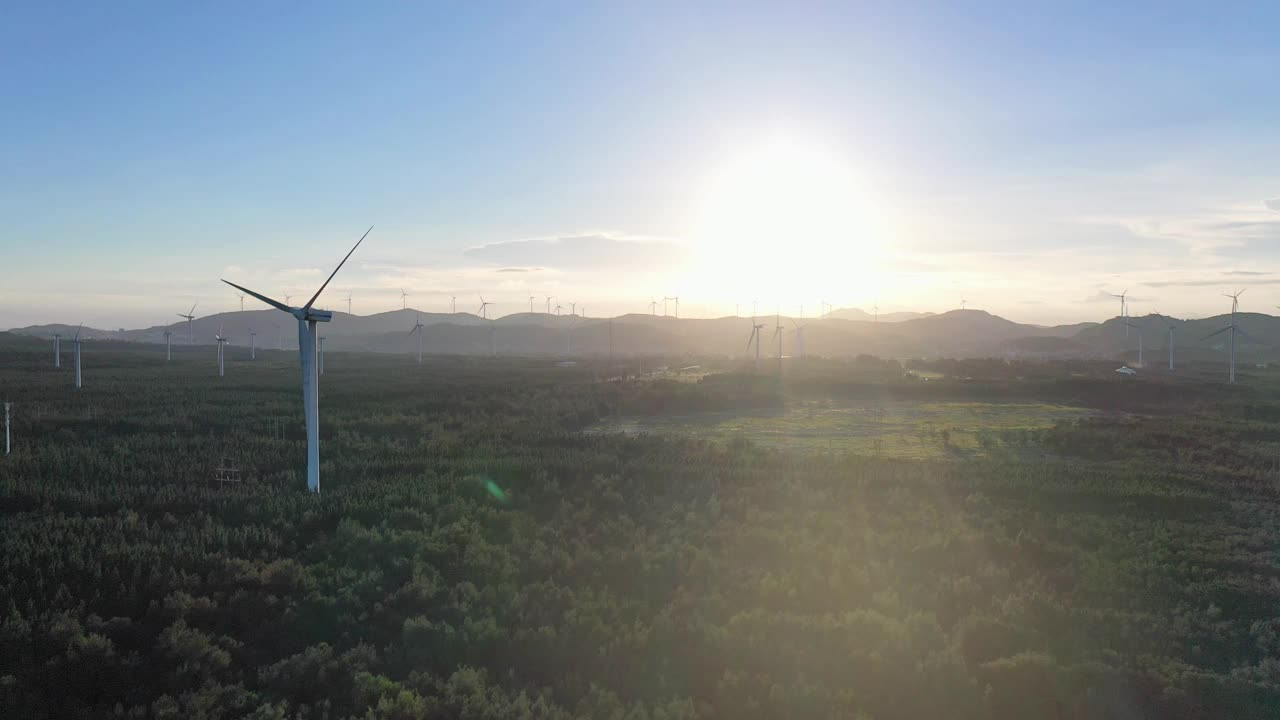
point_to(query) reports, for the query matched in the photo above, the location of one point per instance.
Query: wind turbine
(241, 301)
(799, 341)
(875, 317)
(549, 299)
(1234, 328)
(573, 308)
(1123, 309)
(348, 302)
(493, 330)
(287, 298)
(653, 306)
(453, 305)
(963, 303)
(307, 318)
(530, 304)
(755, 336)
(75, 344)
(677, 299)
(57, 350)
(253, 344)
(168, 347)
(191, 335)
(777, 333)
(559, 307)
(417, 328)
(1139, 329)
(404, 302)
(221, 352)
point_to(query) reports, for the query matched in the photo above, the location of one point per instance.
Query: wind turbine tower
(1124, 309)
(75, 343)
(549, 299)
(1139, 329)
(493, 330)
(404, 301)
(777, 333)
(307, 318)
(253, 345)
(168, 346)
(57, 350)
(241, 301)
(530, 304)
(6, 428)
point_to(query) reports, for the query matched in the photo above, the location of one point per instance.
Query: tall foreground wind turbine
(191, 334)
(307, 318)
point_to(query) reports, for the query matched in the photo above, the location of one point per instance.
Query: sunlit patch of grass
(898, 429)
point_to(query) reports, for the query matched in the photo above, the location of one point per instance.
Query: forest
(473, 554)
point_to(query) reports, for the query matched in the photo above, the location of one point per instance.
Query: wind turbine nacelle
(317, 315)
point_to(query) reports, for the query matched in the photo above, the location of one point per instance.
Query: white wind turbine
(493, 330)
(573, 308)
(418, 328)
(453, 304)
(307, 318)
(75, 344)
(168, 346)
(404, 299)
(191, 334)
(1124, 309)
(777, 333)
(653, 306)
(1139, 329)
(530, 304)
(57, 350)
(549, 299)
(799, 334)
(755, 337)
(1234, 328)
(875, 317)
(221, 351)
(241, 301)
(348, 302)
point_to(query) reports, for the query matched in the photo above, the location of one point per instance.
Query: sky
(1027, 158)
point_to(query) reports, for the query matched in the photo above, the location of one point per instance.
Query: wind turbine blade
(1247, 336)
(78, 328)
(1217, 332)
(273, 303)
(193, 307)
(335, 270)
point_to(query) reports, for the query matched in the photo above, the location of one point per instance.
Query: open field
(474, 554)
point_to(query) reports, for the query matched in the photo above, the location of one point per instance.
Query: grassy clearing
(897, 429)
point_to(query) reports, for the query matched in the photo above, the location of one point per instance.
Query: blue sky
(1027, 158)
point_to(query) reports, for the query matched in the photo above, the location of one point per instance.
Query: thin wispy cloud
(582, 252)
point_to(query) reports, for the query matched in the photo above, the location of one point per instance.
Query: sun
(784, 221)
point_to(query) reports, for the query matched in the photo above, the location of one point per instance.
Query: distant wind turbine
(963, 303)
(241, 301)
(755, 337)
(168, 345)
(57, 350)
(653, 306)
(1124, 309)
(1171, 328)
(777, 333)
(253, 344)
(559, 307)
(573, 308)
(75, 343)
(799, 341)
(404, 302)
(493, 330)
(190, 316)
(222, 341)
(308, 349)
(1233, 328)
(348, 302)
(875, 317)
(530, 304)
(549, 299)
(1139, 329)
(453, 305)
(417, 328)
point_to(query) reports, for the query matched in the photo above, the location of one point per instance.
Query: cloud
(1209, 283)
(518, 270)
(1272, 204)
(582, 252)
(1245, 272)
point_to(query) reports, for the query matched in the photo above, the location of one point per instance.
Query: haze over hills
(959, 333)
